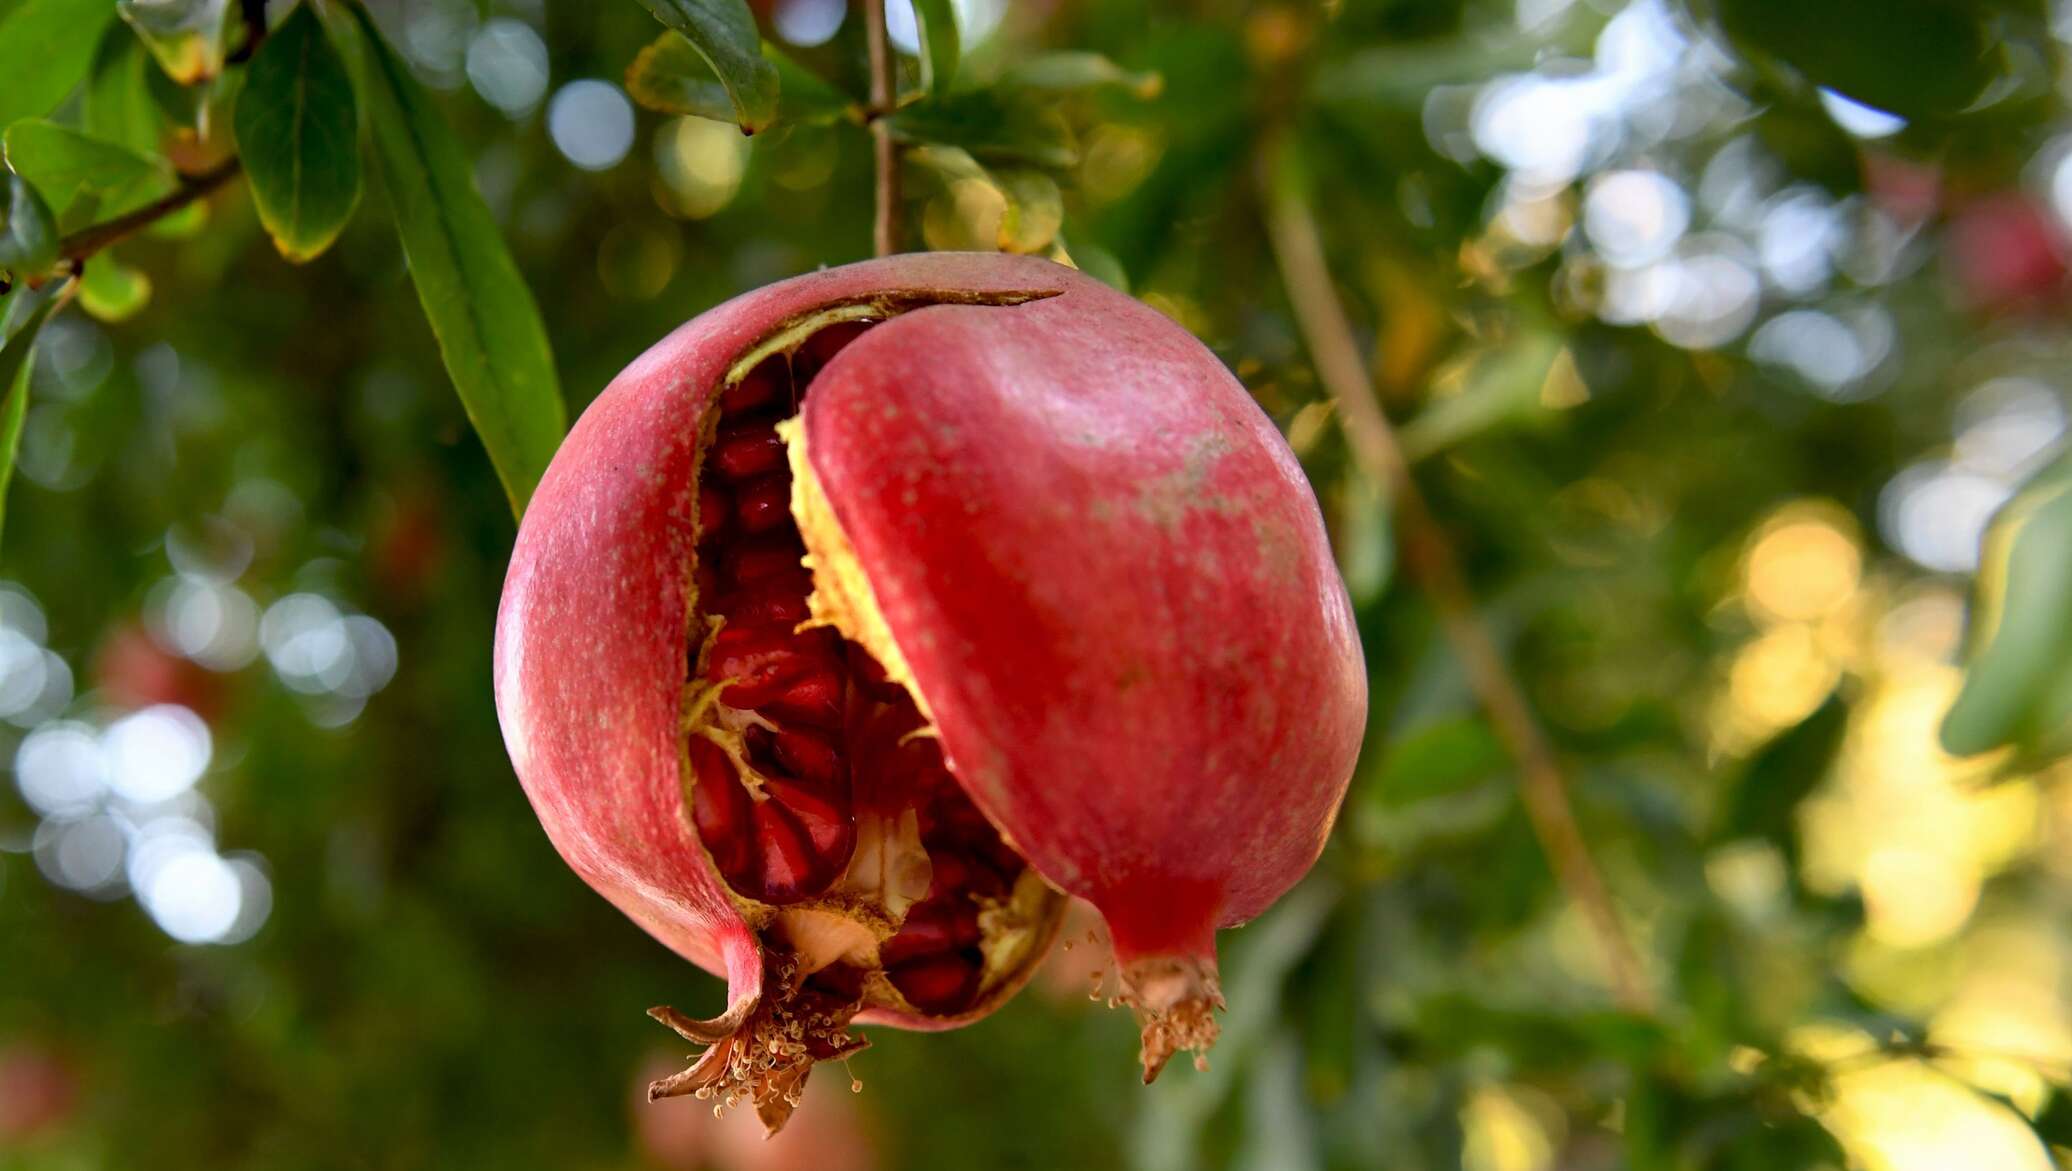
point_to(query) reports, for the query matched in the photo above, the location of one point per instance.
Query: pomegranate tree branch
(884, 85)
(87, 241)
(1429, 559)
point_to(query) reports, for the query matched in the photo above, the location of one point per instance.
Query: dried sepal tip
(1176, 999)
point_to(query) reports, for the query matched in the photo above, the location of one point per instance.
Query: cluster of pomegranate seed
(815, 725)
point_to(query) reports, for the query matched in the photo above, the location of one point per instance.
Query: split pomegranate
(869, 614)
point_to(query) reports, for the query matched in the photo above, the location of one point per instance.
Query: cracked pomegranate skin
(1104, 571)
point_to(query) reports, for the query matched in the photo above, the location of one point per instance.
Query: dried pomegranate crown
(870, 611)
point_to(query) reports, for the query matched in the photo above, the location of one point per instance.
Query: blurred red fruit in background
(37, 1092)
(132, 671)
(2006, 251)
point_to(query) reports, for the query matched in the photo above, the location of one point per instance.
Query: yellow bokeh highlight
(1800, 579)
(699, 165)
(1510, 1128)
(1803, 564)
(1779, 678)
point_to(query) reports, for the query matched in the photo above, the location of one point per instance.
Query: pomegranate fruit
(870, 611)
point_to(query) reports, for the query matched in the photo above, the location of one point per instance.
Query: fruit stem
(885, 228)
(1429, 558)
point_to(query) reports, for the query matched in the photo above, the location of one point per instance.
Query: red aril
(1047, 609)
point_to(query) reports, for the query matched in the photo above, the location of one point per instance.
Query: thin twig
(1429, 558)
(87, 241)
(885, 228)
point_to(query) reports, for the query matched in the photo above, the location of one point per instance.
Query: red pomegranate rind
(1111, 585)
(593, 626)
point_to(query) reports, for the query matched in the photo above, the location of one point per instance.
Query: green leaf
(1073, 71)
(990, 124)
(74, 171)
(669, 77)
(188, 37)
(28, 232)
(298, 134)
(489, 329)
(937, 24)
(1505, 387)
(1763, 800)
(723, 32)
(112, 291)
(2015, 685)
(14, 377)
(117, 105)
(45, 47)
(1914, 58)
(1436, 759)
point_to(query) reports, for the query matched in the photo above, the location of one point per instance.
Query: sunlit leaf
(2017, 684)
(489, 329)
(1071, 71)
(1035, 211)
(937, 22)
(723, 32)
(298, 136)
(111, 290)
(28, 231)
(14, 378)
(74, 171)
(45, 47)
(670, 77)
(189, 37)
(117, 105)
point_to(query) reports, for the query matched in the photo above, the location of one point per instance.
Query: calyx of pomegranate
(870, 614)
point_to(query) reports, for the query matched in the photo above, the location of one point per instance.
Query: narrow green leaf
(117, 105)
(669, 77)
(488, 326)
(112, 291)
(1072, 71)
(73, 170)
(189, 37)
(937, 23)
(1504, 388)
(723, 32)
(45, 47)
(14, 376)
(298, 132)
(28, 232)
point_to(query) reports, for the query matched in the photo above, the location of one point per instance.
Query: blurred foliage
(1717, 333)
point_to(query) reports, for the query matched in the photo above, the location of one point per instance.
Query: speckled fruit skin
(1103, 566)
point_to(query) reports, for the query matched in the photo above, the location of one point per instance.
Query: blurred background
(1717, 334)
